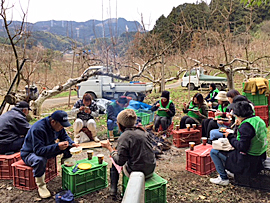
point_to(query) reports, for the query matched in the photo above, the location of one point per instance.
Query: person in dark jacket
(250, 145)
(86, 109)
(196, 111)
(210, 98)
(40, 145)
(13, 128)
(165, 111)
(134, 149)
(113, 110)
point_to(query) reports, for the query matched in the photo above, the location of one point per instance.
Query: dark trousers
(207, 126)
(165, 122)
(15, 146)
(186, 120)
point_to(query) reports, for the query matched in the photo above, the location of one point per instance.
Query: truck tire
(133, 96)
(191, 86)
(218, 86)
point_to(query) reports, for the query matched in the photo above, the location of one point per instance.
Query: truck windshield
(193, 72)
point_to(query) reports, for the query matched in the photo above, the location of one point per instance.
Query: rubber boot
(114, 181)
(42, 189)
(111, 135)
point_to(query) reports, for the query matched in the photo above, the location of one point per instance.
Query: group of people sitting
(47, 137)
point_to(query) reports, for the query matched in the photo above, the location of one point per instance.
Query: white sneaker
(229, 174)
(96, 139)
(219, 181)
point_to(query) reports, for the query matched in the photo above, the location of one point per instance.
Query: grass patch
(65, 94)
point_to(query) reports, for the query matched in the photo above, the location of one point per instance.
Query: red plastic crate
(23, 177)
(199, 161)
(5, 165)
(182, 137)
(261, 111)
(266, 120)
(211, 114)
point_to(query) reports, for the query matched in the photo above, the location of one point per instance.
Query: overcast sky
(83, 10)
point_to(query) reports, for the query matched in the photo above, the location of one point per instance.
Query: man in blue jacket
(40, 145)
(13, 128)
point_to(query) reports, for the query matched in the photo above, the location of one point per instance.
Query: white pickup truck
(101, 86)
(198, 79)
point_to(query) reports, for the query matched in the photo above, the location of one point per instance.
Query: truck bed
(128, 87)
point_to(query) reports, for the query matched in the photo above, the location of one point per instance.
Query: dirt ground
(183, 186)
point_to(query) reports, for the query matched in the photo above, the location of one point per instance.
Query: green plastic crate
(144, 117)
(85, 181)
(152, 114)
(258, 99)
(115, 132)
(155, 189)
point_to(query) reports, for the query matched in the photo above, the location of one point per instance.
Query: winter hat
(127, 118)
(222, 96)
(122, 100)
(165, 94)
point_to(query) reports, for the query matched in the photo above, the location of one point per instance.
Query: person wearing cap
(13, 128)
(165, 111)
(113, 110)
(210, 98)
(40, 145)
(196, 111)
(222, 109)
(250, 146)
(134, 150)
(86, 109)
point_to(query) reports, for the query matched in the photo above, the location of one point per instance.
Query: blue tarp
(135, 105)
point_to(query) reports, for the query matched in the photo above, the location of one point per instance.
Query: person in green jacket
(165, 111)
(210, 98)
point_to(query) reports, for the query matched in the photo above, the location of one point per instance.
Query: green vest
(222, 109)
(211, 94)
(259, 142)
(192, 114)
(164, 113)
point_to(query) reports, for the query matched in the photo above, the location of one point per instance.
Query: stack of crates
(182, 137)
(23, 177)
(199, 161)
(85, 181)
(5, 165)
(261, 105)
(155, 189)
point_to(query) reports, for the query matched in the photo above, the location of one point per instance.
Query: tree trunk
(230, 80)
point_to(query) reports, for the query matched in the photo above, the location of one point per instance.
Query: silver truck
(198, 79)
(101, 86)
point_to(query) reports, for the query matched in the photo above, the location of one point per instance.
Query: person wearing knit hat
(165, 111)
(113, 110)
(134, 149)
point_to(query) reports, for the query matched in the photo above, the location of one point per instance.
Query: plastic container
(258, 99)
(143, 117)
(152, 114)
(23, 177)
(199, 161)
(261, 111)
(182, 137)
(75, 150)
(5, 165)
(85, 181)
(155, 189)
(211, 114)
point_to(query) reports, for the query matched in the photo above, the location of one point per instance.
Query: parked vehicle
(198, 79)
(101, 86)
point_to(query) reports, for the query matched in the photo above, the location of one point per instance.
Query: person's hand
(209, 104)
(238, 121)
(87, 110)
(218, 113)
(81, 108)
(106, 144)
(220, 122)
(158, 105)
(75, 145)
(228, 115)
(63, 145)
(226, 134)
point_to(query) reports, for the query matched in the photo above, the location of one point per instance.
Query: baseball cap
(23, 105)
(61, 117)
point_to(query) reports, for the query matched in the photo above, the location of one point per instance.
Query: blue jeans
(219, 161)
(215, 134)
(111, 124)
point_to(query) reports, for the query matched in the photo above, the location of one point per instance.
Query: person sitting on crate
(196, 111)
(40, 145)
(86, 109)
(13, 128)
(134, 149)
(250, 145)
(210, 98)
(165, 111)
(222, 111)
(113, 110)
